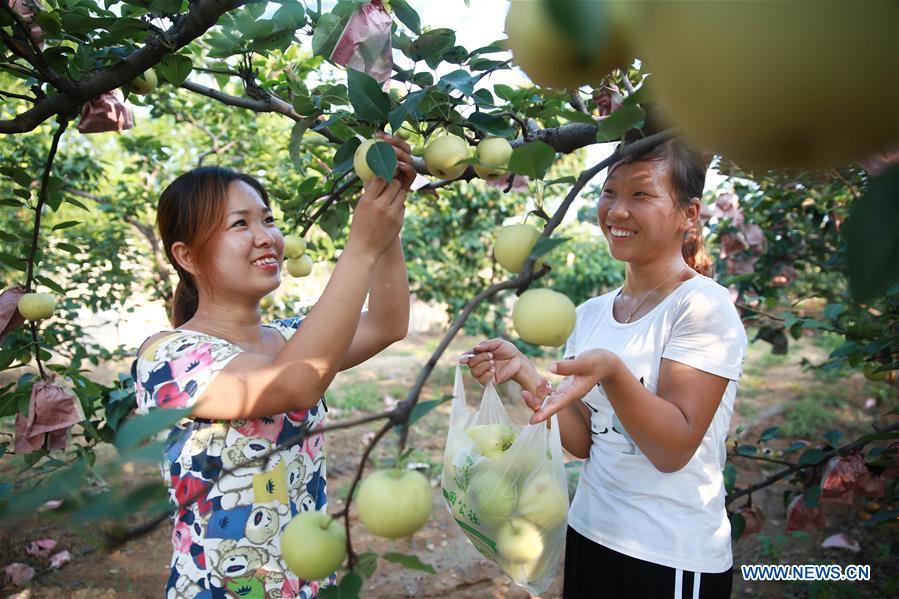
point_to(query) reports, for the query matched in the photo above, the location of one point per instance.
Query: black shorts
(596, 572)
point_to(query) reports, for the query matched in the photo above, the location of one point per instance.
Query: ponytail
(695, 254)
(185, 302)
(191, 211)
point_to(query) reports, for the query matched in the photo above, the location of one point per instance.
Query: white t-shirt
(623, 502)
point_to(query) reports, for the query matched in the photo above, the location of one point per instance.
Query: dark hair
(191, 210)
(687, 169)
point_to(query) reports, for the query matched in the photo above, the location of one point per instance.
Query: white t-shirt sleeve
(707, 333)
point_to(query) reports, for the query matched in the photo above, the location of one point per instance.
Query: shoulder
(190, 349)
(704, 300)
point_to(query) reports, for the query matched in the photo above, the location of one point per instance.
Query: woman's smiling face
(639, 214)
(249, 251)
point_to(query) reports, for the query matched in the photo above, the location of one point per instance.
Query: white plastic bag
(511, 501)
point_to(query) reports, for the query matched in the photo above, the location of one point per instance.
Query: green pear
(519, 541)
(543, 500)
(493, 493)
(443, 154)
(492, 440)
(493, 153)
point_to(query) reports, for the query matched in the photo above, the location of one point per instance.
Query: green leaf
(423, 407)
(331, 592)
(175, 68)
(483, 98)
(367, 564)
(295, 144)
(409, 108)
(350, 585)
(459, 80)
(491, 124)
(532, 159)
(811, 496)
(546, 245)
(60, 484)
(619, 122)
(882, 516)
(291, 15)
(381, 158)
(833, 437)
(335, 220)
(431, 45)
(409, 561)
(730, 477)
(872, 245)
(794, 447)
(737, 525)
(136, 431)
(769, 433)
(343, 157)
(747, 450)
(577, 117)
(811, 456)
(369, 101)
(407, 15)
(326, 34)
(66, 225)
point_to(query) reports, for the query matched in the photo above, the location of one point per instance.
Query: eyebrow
(245, 211)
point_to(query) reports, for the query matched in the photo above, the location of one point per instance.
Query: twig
(351, 555)
(577, 102)
(17, 96)
(42, 197)
(737, 493)
(332, 197)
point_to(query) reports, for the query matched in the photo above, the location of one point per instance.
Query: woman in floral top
(252, 387)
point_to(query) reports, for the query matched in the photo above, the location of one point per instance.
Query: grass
(811, 414)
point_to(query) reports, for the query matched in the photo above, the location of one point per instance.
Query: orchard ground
(776, 391)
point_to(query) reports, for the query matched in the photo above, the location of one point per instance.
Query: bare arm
(254, 385)
(387, 318)
(667, 427)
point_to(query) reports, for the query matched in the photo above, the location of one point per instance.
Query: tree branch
(202, 15)
(858, 444)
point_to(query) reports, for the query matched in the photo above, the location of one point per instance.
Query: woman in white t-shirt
(651, 374)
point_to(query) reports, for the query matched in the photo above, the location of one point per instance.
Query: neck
(641, 278)
(234, 320)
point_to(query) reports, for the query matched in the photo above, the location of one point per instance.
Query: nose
(612, 207)
(265, 237)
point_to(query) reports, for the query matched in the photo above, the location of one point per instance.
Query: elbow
(395, 335)
(670, 464)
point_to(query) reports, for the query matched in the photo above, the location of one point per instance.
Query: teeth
(615, 232)
(265, 261)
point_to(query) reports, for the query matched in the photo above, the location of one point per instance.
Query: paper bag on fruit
(505, 486)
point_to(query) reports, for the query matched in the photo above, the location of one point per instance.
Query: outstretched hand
(582, 374)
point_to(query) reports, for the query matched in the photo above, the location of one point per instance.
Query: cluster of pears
(392, 503)
(446, 155)
(540, 316)
(522, 503)
(297, 261)
(773, 84)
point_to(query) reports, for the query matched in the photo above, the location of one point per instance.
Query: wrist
(358, 254)
(606, 365)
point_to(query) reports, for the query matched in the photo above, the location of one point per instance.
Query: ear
(184, 257)
(691, 214)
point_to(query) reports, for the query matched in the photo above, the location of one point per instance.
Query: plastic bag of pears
(505, 486)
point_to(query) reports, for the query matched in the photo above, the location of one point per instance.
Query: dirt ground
(140, 568)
